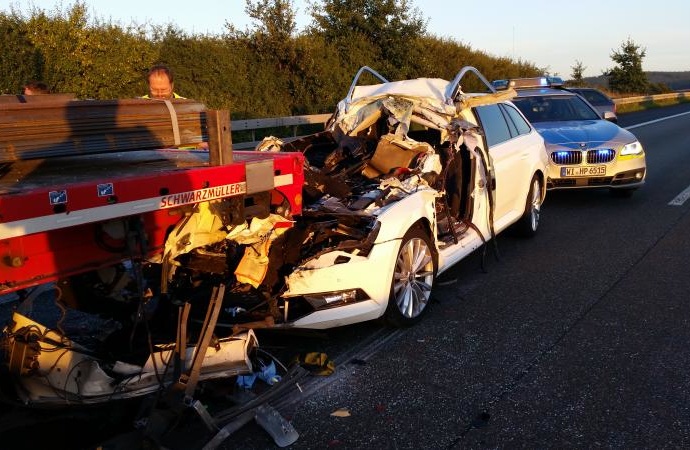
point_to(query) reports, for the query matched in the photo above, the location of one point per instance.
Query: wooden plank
(39, 98)
(79, 127)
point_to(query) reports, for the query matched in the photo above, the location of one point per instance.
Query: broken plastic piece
(317, 363)
(246, 381)
(62, 371)
(341, 412)
(268, 374)
(282, 431)
(258, 238)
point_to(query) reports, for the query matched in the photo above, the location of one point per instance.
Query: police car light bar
(535, 82)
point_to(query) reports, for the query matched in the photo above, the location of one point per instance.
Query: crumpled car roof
(429, 88)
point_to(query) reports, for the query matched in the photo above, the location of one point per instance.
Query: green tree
(271, 57)
(444, 57)
(577, 78)
(267, 70)
(628, 76)
(273, 31)
(389, 27)
(23, 62)
(324, 76)
(71, 53)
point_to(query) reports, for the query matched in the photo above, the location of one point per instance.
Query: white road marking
(680, 198)
(656, 120)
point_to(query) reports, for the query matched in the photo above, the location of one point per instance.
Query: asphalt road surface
(577, 338)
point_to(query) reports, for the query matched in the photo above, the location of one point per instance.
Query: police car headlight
(634, 148)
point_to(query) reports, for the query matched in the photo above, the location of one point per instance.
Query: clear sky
(553, 35)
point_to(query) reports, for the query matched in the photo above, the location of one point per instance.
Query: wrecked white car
(408, 178)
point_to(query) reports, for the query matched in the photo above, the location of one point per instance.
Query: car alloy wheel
(529, 222)
(413, 278)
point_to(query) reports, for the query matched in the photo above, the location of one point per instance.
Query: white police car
(585, 150)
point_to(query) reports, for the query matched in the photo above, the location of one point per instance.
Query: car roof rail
(454, 86)
(353, 85)
(451, 91)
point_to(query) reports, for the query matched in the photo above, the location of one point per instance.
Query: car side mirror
(610, 116)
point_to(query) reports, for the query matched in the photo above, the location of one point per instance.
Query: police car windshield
(555, 108)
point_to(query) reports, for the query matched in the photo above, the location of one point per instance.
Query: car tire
(528, 223)
(413, 278)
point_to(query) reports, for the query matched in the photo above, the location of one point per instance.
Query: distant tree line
(267, 70)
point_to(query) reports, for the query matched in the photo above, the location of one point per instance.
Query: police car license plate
(586, 171)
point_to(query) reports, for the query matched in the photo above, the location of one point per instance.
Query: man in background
(161, 83)
(35, 87)
(162, 87)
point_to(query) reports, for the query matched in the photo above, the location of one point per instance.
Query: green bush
(267, 71)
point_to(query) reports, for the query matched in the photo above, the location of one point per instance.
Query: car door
(510, 160)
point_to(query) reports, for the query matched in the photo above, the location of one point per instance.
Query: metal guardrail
(652, 98)
(257, 124)
(294, 121)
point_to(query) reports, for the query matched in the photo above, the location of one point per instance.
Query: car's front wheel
(413, 279)
(529, 221)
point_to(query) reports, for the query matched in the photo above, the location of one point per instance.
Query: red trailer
(100, 203)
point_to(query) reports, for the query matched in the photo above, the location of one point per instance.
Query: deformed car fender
(417, 206)
(338, 270)
(359, 272)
